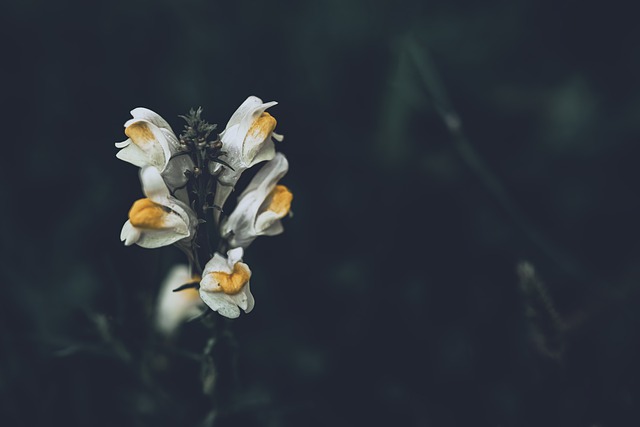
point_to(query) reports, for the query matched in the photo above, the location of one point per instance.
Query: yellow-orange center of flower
(280, 200)
(233, 283)
(140, 134)
(146, 214)
(262, 127)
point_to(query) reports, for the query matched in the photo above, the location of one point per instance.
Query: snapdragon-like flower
(261, 206)
(152, 142)
(247, 140)
(159, 219)
(225, 284)
(174, 308)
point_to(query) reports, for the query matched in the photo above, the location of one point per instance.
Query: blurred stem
(439, 98)
(219, 368)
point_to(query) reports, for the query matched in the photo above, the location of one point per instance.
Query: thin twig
(439, 98)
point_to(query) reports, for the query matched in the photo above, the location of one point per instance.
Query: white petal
(142, 113)
(265, 220)
(123, 143)
(244, 299)
(265, 152)
(157, 149)
(129, 234)
(136, 156)
(221, 303)
(222, 194)
(152, 239)
(217, 263)
(275, 229)
(153, 185)
(173, 308)
(250, 104)
(268, 176)
(234, 256)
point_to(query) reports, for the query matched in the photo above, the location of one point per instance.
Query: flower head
(176, 307)
(159, 219)
(246, 140)
(151, 142)
(225, 284)
(261, 206)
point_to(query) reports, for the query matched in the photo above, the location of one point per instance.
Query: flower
(246, 140)
(176, 307)
(260, 206)
(159, 219)
(152, 142)
(225, 284)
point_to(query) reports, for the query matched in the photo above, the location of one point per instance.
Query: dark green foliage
(394, 297)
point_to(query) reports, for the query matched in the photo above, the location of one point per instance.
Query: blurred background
(464, 249)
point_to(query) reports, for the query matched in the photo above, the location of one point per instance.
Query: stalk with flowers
(187, 181)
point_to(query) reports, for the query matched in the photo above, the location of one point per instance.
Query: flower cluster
(186, 181)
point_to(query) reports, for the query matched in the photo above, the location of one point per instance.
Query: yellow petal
(280, 201)
(141, 135)
(233, 283)
(146, 214)
(261, 128)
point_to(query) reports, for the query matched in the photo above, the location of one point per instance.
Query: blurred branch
(546, 326)
(437, 93)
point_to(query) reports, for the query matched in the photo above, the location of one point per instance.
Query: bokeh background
(429, 276)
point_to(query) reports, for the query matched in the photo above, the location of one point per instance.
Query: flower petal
(268, 176)
(235, 255)
(249, 105)
(123, 143)
(173, 308)
(153, 185)
(220, 302)
(159, 238)
(142, 113)
(134, 155)
(129, 234)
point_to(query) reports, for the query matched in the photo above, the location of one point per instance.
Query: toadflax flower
(159, 219)
(152, 142)
(260, 206)
(246, 140)
(174, 308)
(225, 284)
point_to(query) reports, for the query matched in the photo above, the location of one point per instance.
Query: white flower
(175, 308)
(152, 142)
(225, 284)
(260, 206)
(159, 219)
(246, 140)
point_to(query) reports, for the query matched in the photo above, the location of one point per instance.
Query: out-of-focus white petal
(173, 308)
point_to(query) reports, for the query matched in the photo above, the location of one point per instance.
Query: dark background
(393, 297)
